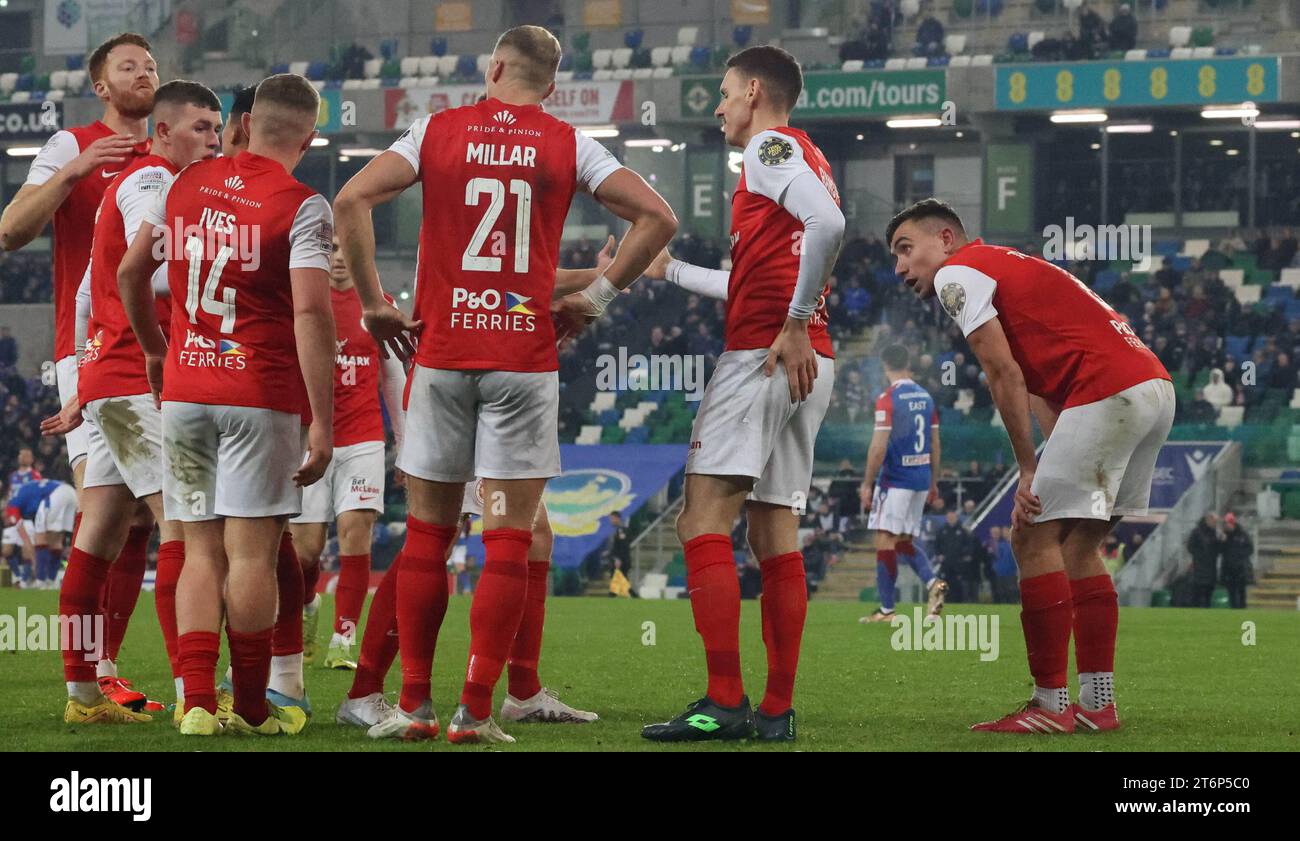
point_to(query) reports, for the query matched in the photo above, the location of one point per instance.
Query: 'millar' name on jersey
(498, 154)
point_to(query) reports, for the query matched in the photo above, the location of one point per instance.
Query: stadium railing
(1163, 556)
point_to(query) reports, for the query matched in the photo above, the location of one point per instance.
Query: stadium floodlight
(318, 142)
(599, 131)
(1229, 112)
(1216, 142)
(646, 143)
(1130, 128)
(344, 159)
(1066, 117)
(23, 151)
(914, 122)
(1277, 125)
(360, 152)
(1234, 151)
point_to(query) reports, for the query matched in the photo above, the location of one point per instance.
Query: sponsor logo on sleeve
(775, 150)
(953, 298)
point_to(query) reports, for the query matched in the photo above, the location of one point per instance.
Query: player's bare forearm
(1007, 385)
(629, 197)
(568, 281)
(32, 209)
(875, 459)
(313, 328)
(134, 275)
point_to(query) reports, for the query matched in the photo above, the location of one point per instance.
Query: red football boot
(1030, 718)
(1095, 721)
(119, 691)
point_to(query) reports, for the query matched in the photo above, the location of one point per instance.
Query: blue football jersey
(908, 412)
(29, 497)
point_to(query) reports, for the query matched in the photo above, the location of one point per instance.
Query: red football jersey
(359, 373)
(497, 182)
(74, 221)
(1070, 345)
(113, 363)
(238, 225)
(766, 241)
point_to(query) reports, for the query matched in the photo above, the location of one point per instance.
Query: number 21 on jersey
(473, 260)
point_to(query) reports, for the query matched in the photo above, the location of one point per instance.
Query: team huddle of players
(230, 395)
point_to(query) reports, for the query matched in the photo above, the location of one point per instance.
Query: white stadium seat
(371, 68)
(590, 434)
(686, 36)
(411, 82)
(602, 401)
(58, 80)
(76, 80)
(55, 96)
(1232, 277)
(955, 44)
(1202, 52)
(643, 73)
(916, 62)
(428, 65)
(621, 73)
(602, 75)
(447, 65)
(662, 73)
(1180, 53)
(1295, 399)
(1231, 416)
(959, 61)
(1290, 277)
(601, 59)
(8, 81)
(896, 64)
(1248, 294)
(1180, 36)
(483, 61)
(1195, 248)
(622, 57)
(982, 60)
(1035, 38)
(852, 65)
(352, 84)
(299, 67)
(21, 96)
(564, 76)
(410, 66)
(1135, 55)
(661, 56)
(680, 55)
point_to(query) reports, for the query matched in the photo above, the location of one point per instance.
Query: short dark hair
(243, 101)
(924, 209)
(896, 358)
(776, 69)
(100, 56)
(186, 92)
(291, 105)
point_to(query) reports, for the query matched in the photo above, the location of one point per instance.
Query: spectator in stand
(8, 349)
(929, 37)
(1283, 374)
(1238, 561)
(620, 546)
(1123, 29)
(1203, 544)
(1006, 584)
(1092, 30)
(953, 556)
(1112, 554)
(843, 492)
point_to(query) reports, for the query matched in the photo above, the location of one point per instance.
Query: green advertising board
(704, 196)
(1099, 84)
(1008, 187)
(838, 94)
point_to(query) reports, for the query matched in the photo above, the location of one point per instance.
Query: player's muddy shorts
(65, 375)
(124, 444)
(747, 426)
(1100, 458)
(230, 461)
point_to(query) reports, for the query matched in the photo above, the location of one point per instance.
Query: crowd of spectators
(24, 403)
(25, 278)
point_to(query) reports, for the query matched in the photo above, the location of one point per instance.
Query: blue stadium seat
(1278, 292)
(467, 66)
(632, 39)
(1160, 53)
(742, 34)
(608, 417)
(25, 82)
(1221, 50)
(316, 71)
(1238, 347)
(582, 75)
(1018, 42)
(700, 57)
(388, 48)
(334, 84)
(438, 47)
(566, 62)
(280, 67)
(1168, 247)
(874, 64)
(937, 61)
(76, 62)
(1182, 264)
(637, 435)
(1292, 310)
(1106, 280)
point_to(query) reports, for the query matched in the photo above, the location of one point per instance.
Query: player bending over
(1051, 345)
(752, 442)
(904, 454)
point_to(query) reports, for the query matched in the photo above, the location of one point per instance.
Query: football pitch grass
(1185, 681)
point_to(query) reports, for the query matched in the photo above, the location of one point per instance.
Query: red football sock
(250, 666)
(80, 597)
(350, 593)
(715, 600)
(888, 557)
(785, 606)
(1096, 618)
(905, 547)
(286, 636)
(198, 652)
(494, 614)
(1046, 614)
(171, 559)
(421, 605)
(522, 666)
(310, 578)
(379, 639)
(123, 588)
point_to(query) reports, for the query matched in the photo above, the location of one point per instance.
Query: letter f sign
(1006, 190)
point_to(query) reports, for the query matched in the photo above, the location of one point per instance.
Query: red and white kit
(234, 402)
(1075, 352)
(746, 424)
(355, 477)
(74, 225)
(124, 428)
(497, 182)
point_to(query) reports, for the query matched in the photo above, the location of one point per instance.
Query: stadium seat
(1195, 248)
(632, 39)
(446, 65)
(1231, 416)
(1238, 347)
(352, 84)
(410, 65)
(371, 84)
(637, 435)
(299, 67)
(1180, 36)
(1290, 277)
(8, 81)
(58, 80)
(602, 401)
(643, 73)
(481, 63)
(55, 95)
(1203, 52)
(622, 57)
(984, 60)
(1180, 53)
(955, 43)
(1232, 277)
(1034, 38)
(603, 75)
(411, 82)
(700, 57)
(661, 56)
(681, 54)
(601, 59)
(564, 76)
(590, 434)
(76, 80)
(1160, 53)
(1135, 55)
(1247, 294)
(686, 36)
(896, 64)
(662, 73)
(466, 66)
(1295, 399)
(1279, 294)
(21, 96)
(852, 66)
(621, 73)
(652, 585)
(960, 61)
(965, 400)
(372, 67)
(915, 63)
(429, 65)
